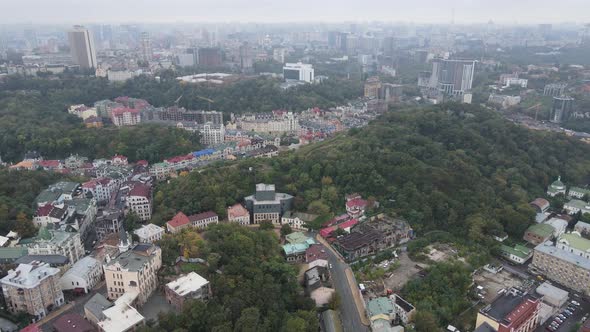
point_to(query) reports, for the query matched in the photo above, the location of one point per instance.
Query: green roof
(296, 237)
(379, 306)
(13, 252)
(578, 204)
(576, 241)
(580, 190)
(518, 251)
(542, 230)
(298, 248)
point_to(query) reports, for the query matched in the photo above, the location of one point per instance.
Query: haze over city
(173, 11)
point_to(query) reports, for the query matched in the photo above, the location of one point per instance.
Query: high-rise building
(82, 47)
(298, 72)
(145, 45)
(453, 77)
(554, 89)
(372, 87)
(209, 57)
(246, 57)
(562, 108)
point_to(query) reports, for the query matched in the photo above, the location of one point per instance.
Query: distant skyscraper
(246, 58)
(145, 45)
(562, 108)
(453, 77)
(209, 57)
(82, 47)
(298, 72)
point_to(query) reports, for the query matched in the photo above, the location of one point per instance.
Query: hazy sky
(436, 11)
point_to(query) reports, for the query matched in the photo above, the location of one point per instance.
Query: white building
(298, 72)
(119, 316)
(515, 81)
(558, 224)
(56, 242)
(202, 220)
(123, 116)
(575, 244)
(120, 75)
(149, 233)
(100, 189)
(85, 274)
(238, 214)
(575, 205)
(190, 286)
(140, 201)
(211, 133)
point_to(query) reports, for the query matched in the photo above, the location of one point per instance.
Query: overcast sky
(435, 11)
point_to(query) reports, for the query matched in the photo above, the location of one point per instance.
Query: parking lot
(579, 313)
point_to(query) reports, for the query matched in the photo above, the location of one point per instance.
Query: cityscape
(230, 167)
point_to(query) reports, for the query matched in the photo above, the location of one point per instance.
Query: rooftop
(178, 220)
(121, 316)
(379, 306)
(140, 189)
(575, 241)
(134, 259)
(508, 307)
(147, 230)
(187, 284)
(72, 322)
(29, 275)
(202, 215)
(296, 237)
(554, 292)
(578, 204)
(49, 259)
(83, 267)
(548, 249)
(97, 304)
(518, 251)
(357, 240)
(236, 211)
(292, 249)
(542, 230)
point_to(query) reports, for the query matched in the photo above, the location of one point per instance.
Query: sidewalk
(358, 299)
(327, 245)
(55, 313)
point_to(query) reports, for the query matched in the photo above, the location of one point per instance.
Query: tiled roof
(178, 159)
(202, 215)
(140, 190)
(44, 210)
(236, 211)
(178, 220)
(357, 202)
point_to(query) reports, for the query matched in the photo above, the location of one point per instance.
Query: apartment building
(139, 201)
(149, 233)
(56, 242)
(32, 288)
(83, 275)
(134, 271)
(190, 286)
(123, 116)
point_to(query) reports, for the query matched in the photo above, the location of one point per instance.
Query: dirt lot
(405, 272)
(493, 283)
(440, 252)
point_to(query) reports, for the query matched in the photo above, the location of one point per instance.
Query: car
(571, 308)
(576, 303)
(559, 320)
(551, 328)
(554, 323)
(562, 316)
(567, 313)
(330, 265)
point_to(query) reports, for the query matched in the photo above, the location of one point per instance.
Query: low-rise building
(511, 311)
(83, 275)
(139, 201)
(149, 233)
(55, 242)
(298, 220)
(268, 205)
(72, 322)
(118, 316)
(552, 295)
(238, 214)
(123, 116)
(179, 222)
(559, 225)
(582, 227)
(109, 221)
(32, 288)
(538, 233)
(518, 254)
(540, 205)
(404, 311)
(318, 285)
(190, 286)
(576, 206)
(204, 219)
(134, 271)
(578, 192)
(295, 251)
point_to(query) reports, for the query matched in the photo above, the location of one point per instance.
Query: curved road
(349, 313)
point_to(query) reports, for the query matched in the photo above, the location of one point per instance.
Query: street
(349, 313)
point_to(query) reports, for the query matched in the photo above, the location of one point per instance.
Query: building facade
(83, 275)
(267, 204)
(139, 201)
(149, 233)
(82, 47)
(190, 286)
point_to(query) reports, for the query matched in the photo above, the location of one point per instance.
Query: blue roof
(203, 152)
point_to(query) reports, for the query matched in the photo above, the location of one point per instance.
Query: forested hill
(450, 167)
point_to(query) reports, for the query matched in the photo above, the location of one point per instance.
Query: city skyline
(263, 11)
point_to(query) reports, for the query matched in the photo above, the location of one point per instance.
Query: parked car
(576, 303)
(567, 313)
(559, 320)
(562, 316)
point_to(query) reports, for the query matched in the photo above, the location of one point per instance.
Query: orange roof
(236, 211)
(178, 220)
(23, 164)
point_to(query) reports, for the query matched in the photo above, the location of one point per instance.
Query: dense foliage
(254, 289)
(33, 112)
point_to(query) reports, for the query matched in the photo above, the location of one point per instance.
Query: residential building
(298, 72)
(318, 285)
(538, 233)
(556, 188)
(134, 271)
(55, 242)
(575, 206)
(578, 192)
(82, 276)
(58, 193)
(315, 252)
(108, 221)
(540, 205)
(582, 227)
(510, 311)
(504, 101)
(32, 288)
(404, 311)
(372, 87)
(72, 322)
(561, 109)
(518, 254)
(179, 222)
(295, 250)
(118, 316)
(190, 286)
(267, 204)
(139, 201)
(381, 313)
(82, 47)
(452, 77)
(149, 233)
(204, 219)
(100, 189)
(298, 220)
(552, 295)
(554, 89)
(211, 133)
(209, 57)
(50, 214)
(123, 116)
(379, 233)
(559, 225)
(145, 47)
(238, 214)
(567, 263)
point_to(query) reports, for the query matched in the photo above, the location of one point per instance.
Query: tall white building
(298, 72)
(82, 47)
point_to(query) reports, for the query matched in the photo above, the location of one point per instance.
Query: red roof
(336, 220)
(49, 163)
(43, 211)
(72, 323)
(325, 232)
(142, 163)
(348, 224)
(31, 328)
(140, 189)
(314, 252)
(522, 313)
(179, 219)
(237, 210)
(118, 156)
(356, 203)
(178, 159)
(123, 110)
(202, 215)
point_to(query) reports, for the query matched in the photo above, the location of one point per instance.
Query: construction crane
(177, 100)
(536, 107)
(210, 101)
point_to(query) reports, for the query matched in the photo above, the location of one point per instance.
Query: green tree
(266, 225)
(286, 230)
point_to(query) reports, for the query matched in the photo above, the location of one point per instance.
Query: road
(349, 313)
